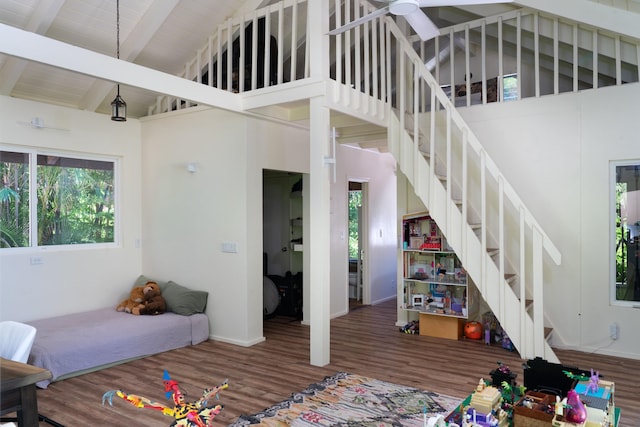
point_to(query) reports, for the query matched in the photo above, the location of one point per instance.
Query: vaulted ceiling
(159, 34)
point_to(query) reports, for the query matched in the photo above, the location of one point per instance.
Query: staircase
(386, 79)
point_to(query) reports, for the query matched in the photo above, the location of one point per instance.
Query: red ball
(473, 330)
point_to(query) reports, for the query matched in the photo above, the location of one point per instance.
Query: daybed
(75, 343)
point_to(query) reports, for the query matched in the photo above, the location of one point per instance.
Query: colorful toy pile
(187, 414)
(558, 397)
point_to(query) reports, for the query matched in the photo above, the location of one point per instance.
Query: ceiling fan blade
(438, 3)
(359, 21)
(422, 25)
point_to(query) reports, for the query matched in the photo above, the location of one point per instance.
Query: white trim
(612, 234)
(34, 245)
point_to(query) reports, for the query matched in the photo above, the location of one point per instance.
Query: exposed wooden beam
(143, 32)
(33, 47)
(39, 23)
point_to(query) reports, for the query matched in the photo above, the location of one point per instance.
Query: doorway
(282, 207)
(357, 245)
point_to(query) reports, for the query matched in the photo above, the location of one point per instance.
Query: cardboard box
(438, 326)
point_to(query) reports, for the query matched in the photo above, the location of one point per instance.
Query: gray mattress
(84, 341)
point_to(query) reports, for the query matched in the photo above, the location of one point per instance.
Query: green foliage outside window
(14, 200)
(75, 201)
(510, 87)
(627, 227)
(355, 202)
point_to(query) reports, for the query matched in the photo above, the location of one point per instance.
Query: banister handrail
(472, 140)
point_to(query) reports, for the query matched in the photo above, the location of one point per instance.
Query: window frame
(613, 181)
(33, 198)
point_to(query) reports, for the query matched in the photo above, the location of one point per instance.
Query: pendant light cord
(118, 29)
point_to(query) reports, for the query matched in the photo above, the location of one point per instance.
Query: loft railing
(263, 48)
(526, 53)
(518, 54)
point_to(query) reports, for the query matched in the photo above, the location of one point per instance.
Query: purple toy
(592, 387)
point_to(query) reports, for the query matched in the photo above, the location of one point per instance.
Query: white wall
(182, 218)
(556, 152)
(378, 171)
(75, 279)
(187, 216)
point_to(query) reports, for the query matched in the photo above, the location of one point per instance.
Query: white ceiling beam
(143, 32)
(37, 48)
(590, 13)
(39, 23)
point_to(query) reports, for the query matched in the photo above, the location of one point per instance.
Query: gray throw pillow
(184, 301)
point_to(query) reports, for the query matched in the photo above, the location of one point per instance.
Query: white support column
(318, 246)
(317, 238)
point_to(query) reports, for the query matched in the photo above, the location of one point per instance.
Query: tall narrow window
(14, 199)
(627, 233)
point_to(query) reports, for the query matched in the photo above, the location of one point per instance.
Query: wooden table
(18, 390)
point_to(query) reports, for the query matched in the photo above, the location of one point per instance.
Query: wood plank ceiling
(159, 34)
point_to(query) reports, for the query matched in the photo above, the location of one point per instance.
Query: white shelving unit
(434, 283)
(295, 226)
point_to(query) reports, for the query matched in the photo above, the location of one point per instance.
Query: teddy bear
(153, 302)
(136, 297)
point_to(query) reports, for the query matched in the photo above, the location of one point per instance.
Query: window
(50, 199)
(510, 87)
(626, 252)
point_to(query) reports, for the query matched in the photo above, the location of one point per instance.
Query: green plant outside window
(627, 232)
(73, 203)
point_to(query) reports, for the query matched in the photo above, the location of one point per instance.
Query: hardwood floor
(365, 342)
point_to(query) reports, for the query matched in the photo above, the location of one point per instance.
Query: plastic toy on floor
(412, 327)
(188, 414)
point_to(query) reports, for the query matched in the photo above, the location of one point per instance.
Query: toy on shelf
(188, 414)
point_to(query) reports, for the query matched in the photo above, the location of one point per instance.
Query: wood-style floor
(364, 342)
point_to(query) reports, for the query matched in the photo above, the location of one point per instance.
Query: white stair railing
(472, 202)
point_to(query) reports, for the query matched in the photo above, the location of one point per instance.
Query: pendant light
(118, 106)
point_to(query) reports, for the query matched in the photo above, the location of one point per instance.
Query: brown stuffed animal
(153, 303)
(135, 300)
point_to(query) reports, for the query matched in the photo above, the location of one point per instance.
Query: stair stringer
(511, 311)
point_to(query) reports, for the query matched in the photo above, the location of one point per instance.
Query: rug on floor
(347, 400)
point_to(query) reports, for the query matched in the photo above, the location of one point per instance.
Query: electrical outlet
(613, 331)
(230, 247)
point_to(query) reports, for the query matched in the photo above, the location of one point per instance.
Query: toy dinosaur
(187, 414)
